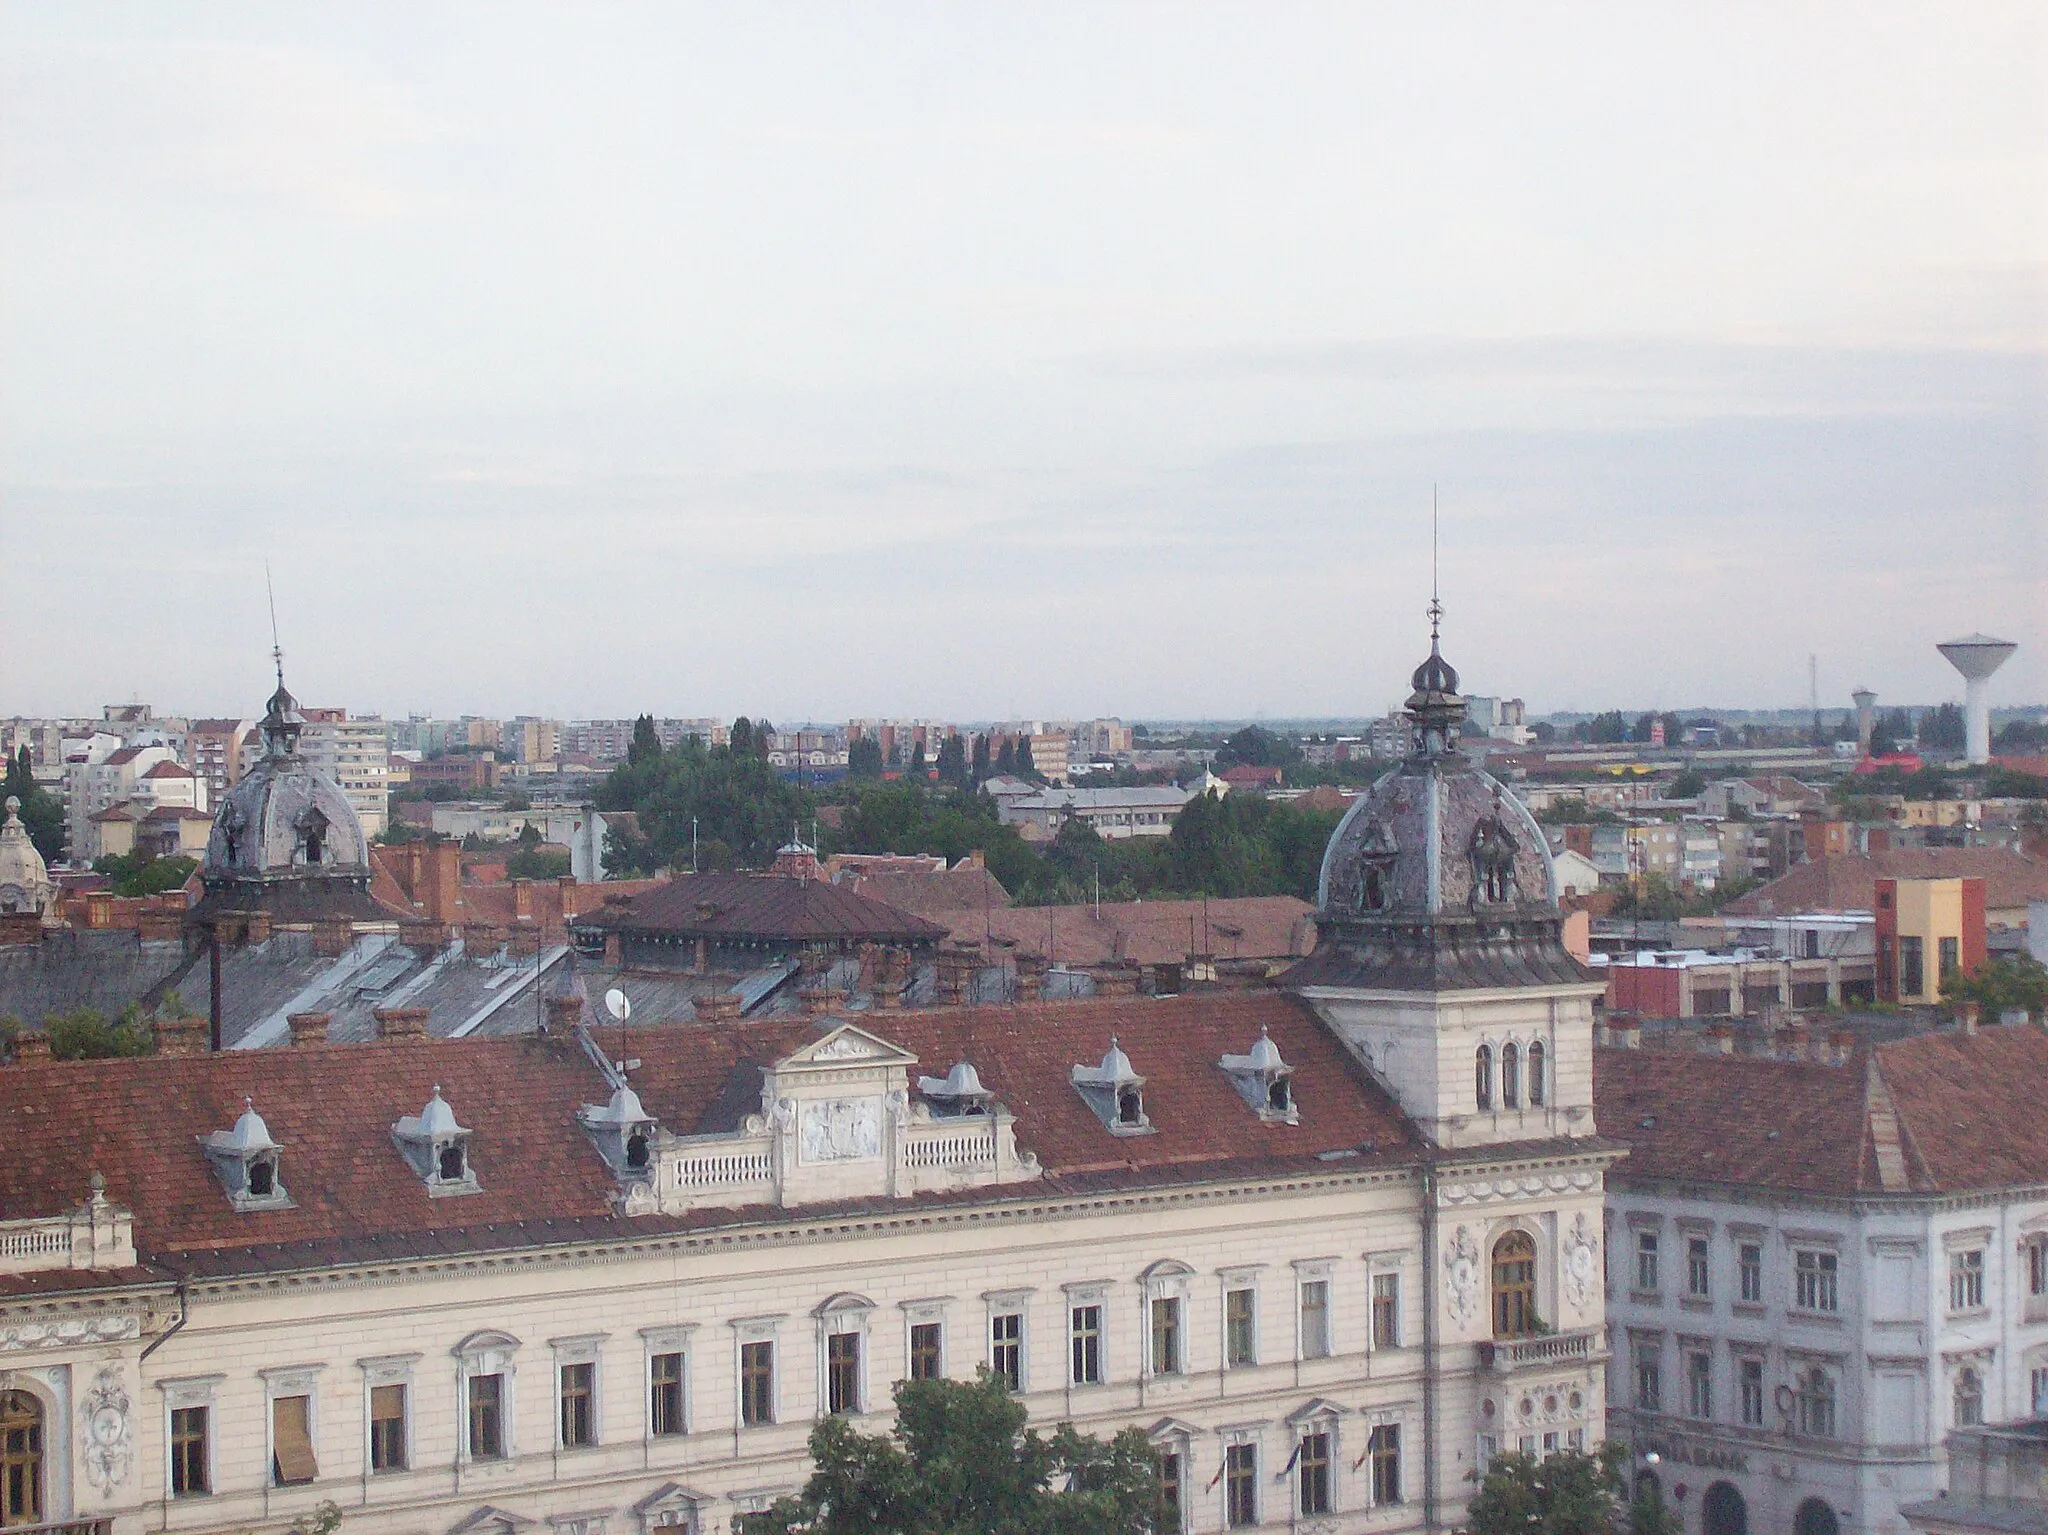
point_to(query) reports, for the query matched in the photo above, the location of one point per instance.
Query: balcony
(65, 1527)
(1543, 1351)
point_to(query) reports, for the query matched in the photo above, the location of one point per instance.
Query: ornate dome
(1437, 877)
(24, 878)
(285, 837)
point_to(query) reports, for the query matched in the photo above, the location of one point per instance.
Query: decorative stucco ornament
(1581, 1262)
(108, 1453)
(1461, 1262)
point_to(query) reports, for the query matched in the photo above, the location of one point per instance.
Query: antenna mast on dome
(1436, 607)
(276, 649)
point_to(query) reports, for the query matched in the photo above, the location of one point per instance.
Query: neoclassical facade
(1330, 1249)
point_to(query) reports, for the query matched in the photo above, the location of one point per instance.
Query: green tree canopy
(142, 873)
(42, 816)
(952, 763)
(734, 796)
(962, 1462)
(1255, 746)
(864, 758)
(2002, 984)
(1567, 1493)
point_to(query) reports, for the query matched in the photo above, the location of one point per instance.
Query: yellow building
(1927, 929)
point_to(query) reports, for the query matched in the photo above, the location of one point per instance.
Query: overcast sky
(1000, 360)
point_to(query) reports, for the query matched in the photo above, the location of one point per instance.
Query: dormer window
(1115, 1092)
(246, 1160)
(437, 1148)
(958, 1093)
(623, 1132)
(1263, 1080)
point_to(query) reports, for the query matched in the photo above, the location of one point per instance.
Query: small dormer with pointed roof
(437, 1148)
(1115, 1092)
(624, 1134)
(959, 1092)
(1264, 1080)
(247, 1162)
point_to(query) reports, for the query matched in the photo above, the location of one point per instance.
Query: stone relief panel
(1461, 1265)
(107, 1421)
(840, 1130)
(1581, 1263)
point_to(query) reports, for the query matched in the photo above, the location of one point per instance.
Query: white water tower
(1977, 657)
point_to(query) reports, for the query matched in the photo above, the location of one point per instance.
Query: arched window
(1969, 1398)
(1536, 1083)
(1514, 1285)
(1814, 1518)
(1724, 1512)
(21, 1459)
(1482, 1077)
(1510, 1076)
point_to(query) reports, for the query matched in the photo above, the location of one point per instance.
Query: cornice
(1860, 1204)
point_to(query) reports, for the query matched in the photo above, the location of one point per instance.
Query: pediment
(1319, 1407)
(848, 1045)
(490, 1521)
(670, 1495)
(1172, 1428)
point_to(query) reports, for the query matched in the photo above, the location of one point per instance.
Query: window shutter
(291, 1437)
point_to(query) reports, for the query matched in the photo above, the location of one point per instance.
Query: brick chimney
(888, 996)
(30, 1046)
(818, 1001)
(1841, 1045)
(1720, 1039)
(522, 900)
(257, 929)
(1967, 1015)
(332, 936)
(719, 1007)
(563, 1015)
(308, 1028)
(180, 1036)
(1626, 1033)
(400, 1022)
(444, 884)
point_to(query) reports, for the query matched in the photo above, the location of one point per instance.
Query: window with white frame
(1699, 1273)
(1165, 1289)
(1813, 1402)
(2037, 1390)
(576, 1407)
(1649, 1367)
(1699, 1379)
(1240, 1317)
(1646, 1262)
(1969, 1398)
(667, 1351)
(1749, 1375)
(1966, 1280)
(924, 1339)
(484, 1368)
(1386, 1310)
(842, 1354)
(1315, 1470)
(290, 1395)
(1749, 1269)
(1087, 1306)
(1241, 1484)
(1816, 1280)
(387, 1387)
(189, 1433)
(1383, 1450)
(758, 1378)
(2037, 1276)
(1315, 1317)
(1008, 1340)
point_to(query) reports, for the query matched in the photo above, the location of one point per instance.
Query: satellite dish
(616, 1004)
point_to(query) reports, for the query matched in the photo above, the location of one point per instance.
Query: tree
(1690, 784)
(864, 758)
(646, 743)
(141, 873)
(980, 766)
(42, 816)
(1566, 1493)
(1254, 746)
(1603, 729)
(740, 742)
(1026, 768)
(85, 1034)
(918, 769)
(1942, 729)
(953, 762)
(2001, 985)
(2020, 738)
(962, 1460)
(1006, 758)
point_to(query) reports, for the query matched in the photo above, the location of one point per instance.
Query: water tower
(1863, 698)
(1977, 657)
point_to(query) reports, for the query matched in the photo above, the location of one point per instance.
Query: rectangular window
(757, 1383)
(1489, 1447)
(1313, 1472)
(2039, 1382)
(1549, 1445)
(1912, 967)
(1384, 1450)
(2037, 1266)
(579, 1406)
(665, 1395)
(189, 1475)
(1951, 957)
(1752, 1373)
(1649, 1378)
(1085, 1331)
(1386, 1311)
(1006, 1347)
(842, 1372)
(387, 1428)
(1241, 1486)
(1698, 1271)
(925, 1351)
(1966, 1280)
(1166, 1358)
(1816, 1273)
(291, 1441)
(1240, 1328)
(1575, 1440)
(1315, 1319)
(1750, 1262)
(487, 1417)
(1699, 1383)
(1170, 1493)
(1646, 1261)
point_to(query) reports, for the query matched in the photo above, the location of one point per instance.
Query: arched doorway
(1724, 1512)
(1514, 1285)
(21, 1459)
(1814, 1518)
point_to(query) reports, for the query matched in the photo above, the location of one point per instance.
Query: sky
(1003, 361)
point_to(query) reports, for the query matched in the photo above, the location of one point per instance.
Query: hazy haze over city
(1044, 360)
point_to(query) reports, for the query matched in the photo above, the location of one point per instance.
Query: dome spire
(1435, 710)
(283, 722)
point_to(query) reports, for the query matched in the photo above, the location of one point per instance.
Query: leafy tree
(1690, 784)
(953, 762)
(42, 816)
(1574, 811)
(538, 863)
(646, 743)
(1006, 758)
(732, 793)
(1254, 746)
(1942, 729)
(962, 1460)
(1602, 729)
(980, 764)
(1026, 768)
(2017, 981)
(1567, 1493)
(2020, 738)
(741, 740)
(85, 1034)
(864, 758)
(143, 873)
(2004, 783)
(517, 801)
(918, 770)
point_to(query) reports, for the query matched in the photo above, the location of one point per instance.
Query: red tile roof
(332, 1106)
(765, 906)
(1966, 1109)
(168, 769)
(1848, 881)
(1148, 932)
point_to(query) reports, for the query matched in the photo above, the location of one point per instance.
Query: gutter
(184, 1316)
(1429, 1346)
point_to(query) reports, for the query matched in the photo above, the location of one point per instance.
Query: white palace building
(1330, 1246)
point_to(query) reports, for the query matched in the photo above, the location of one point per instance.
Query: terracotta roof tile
(1148, 932)
(1848, 881)
(765, 906)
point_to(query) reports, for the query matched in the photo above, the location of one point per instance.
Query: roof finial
(276, 649)
(1436, 607)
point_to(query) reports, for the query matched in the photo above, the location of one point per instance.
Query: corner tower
(1440, 959)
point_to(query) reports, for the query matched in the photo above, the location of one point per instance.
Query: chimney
(522, 900)
(99, 908)
(308, 1028)
(820, 1000)
(1841, 1045)
(1967, 1014)
(400, 1022)
(1030, 983)
(31, 1046)
(719, 1007)
(1795, 1040)
(1626, 1033)
(889, 996)
(1720, 1039)
(257, 929)
(614, 949)
(563, 1015)
(424, 937)
(332, 936)
(444, 888)
(160, 927)
(180, 1036)
(1116, 980)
